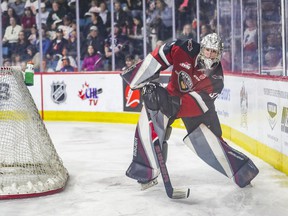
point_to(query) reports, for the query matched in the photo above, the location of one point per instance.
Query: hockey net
(29, 163)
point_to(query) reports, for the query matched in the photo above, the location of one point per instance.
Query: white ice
(97, 156)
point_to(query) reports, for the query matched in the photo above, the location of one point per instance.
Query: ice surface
(97, 156)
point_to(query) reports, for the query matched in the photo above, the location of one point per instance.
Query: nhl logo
(58, 92)
(4, 91)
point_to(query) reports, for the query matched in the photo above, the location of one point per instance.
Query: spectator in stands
(18, 6)
(65, 54)
(208, 8)
(4, 5)
(11, 13)
(72, 44)
(226, 60)
(46, 42)
(187, 32)
(83, 7)
(93, 60)
(45, 66)
(250, 62)
(7, 15)
(122, 18)
(44, 13)
(16, 59)
(55, 15)
(23, 66)
(31, 4)
(4, 17)
(184, 13)
(119, 46)
(272, 42)
(94, 3)
(7, 62)
(161, 19)
(205, 30)
(105, 15)
(33, 37)
(213, 23)
(135, 7)
(135, 35)
(66, 67)
(57, 45)
(32, 55)
(21, 44)
(96, 20)
(28, 20)
(66, 26)
(11, 36)
(273, 60)
(95, 40)
(129, 61)
(250, 34)
(270, 12)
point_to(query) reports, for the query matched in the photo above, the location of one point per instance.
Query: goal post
(29, 163)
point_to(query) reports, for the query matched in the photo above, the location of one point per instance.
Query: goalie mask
(211, 48)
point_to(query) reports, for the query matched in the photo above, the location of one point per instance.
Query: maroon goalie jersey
(197, 90)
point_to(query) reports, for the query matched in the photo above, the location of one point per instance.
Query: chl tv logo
(90, 94)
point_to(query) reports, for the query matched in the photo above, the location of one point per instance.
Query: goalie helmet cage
(29, 163)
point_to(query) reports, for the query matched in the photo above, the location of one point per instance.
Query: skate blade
(145, 186)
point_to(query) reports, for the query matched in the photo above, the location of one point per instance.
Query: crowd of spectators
(271, 38)
(22, 22)
(55, 20)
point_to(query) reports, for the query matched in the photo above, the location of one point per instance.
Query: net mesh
(29, 163)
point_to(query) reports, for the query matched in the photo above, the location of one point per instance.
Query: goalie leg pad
(144, 166)
(222, 157)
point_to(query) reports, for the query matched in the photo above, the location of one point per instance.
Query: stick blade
(180, 193)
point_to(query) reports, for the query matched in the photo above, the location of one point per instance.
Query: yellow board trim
(109, 117)
(275, 158)
(271, 156)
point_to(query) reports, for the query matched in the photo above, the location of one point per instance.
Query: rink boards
(253, 110)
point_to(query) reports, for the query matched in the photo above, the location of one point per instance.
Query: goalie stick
(99, 90)
(171, 192)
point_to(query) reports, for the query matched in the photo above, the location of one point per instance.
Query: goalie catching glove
(157, 98)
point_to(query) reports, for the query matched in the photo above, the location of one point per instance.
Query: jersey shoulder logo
(190, 45)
